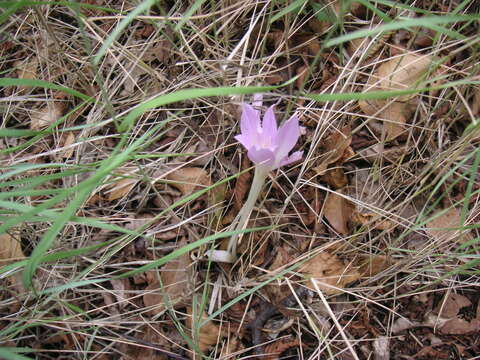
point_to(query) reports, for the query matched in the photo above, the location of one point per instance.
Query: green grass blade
(44, 84)
(187, 94)
(401, 24)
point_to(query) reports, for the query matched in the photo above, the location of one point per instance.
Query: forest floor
(119, 171)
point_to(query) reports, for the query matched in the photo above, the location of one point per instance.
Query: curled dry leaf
(47, 115)
(275, 349)
(400, 73)
(338, 212)
(189, 180)
(242, 185)
(172, 287)
(208, 335)
(442, 227)
(328, 269)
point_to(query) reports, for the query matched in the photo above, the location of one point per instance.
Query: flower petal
(244, 140)
(250, 121)
(296, 156)
(287, 137)
(261, 156)
(270, 122)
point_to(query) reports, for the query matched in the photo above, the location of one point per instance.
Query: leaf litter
(351, 230)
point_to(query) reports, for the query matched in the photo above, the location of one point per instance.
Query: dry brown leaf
(242, 185)
(400, 73)
(208, 335)
(396, 117)
(451, 304)
(337, 149)
(440, 228)
(370, 45)
(150, 333)
(47, 115)
(372, 221)
(328, 269)
(476, 101)
(460, 327)
(379, 152)
(174, 277)
(374, 265)
(275, 349)
(66, 139)
(335, 177)
(189, 180)
(26, 70)
(338, 212)
(403, 73)
(10, 251)
(120, 188)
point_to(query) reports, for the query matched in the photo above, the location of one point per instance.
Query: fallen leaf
(242, 185)
(367, 46)
(338, 212)
(275, 349)
(335, 147)
(381, 348)
(373, 265)
(208, 335)
(120, 188)
(378, 152)
(47, 115)
(172, 287)
(440, 227)
(476, 101)
(460, 327)
(10, 251)
(26, 70)
(66, 139)
(153, 336)
(399, 73)
(403, 73)
(328, 269)
(402, 324)
(189, 180)
(451, 304)
(372, 221)
(335, 177)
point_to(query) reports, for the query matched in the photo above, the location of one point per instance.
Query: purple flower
(268, 145)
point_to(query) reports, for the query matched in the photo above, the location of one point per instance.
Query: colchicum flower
(268, 147)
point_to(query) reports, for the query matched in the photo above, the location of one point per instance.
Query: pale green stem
(261, 174)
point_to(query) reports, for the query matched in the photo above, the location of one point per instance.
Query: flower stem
(261, 174)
